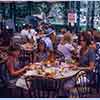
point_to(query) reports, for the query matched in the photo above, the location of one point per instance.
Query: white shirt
(66, 49)
(24, 32)
(29, 34)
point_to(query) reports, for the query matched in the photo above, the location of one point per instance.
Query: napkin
(21, 83)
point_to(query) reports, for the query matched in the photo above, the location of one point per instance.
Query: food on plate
(49, 72)
(39, 71)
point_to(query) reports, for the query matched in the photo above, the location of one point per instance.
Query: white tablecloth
(21, 81)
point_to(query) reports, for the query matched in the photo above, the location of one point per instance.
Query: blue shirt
(40, 56)
(89, 56)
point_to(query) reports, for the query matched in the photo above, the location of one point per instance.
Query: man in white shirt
(28, 32)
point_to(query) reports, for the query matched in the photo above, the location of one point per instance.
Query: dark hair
(30, 26)
(13, 48)
(94, 29)
(25, 26)
(90, 30)
(41, 42)
(86, 38)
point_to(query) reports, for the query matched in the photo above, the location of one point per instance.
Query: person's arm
(93, 45)
(13, 71)
(91, 65)
(35, 57)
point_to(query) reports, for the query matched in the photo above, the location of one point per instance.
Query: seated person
(86, 59)
(41, 52)
(14, 69)
(50, 59)
(91, 38)
(66, 47)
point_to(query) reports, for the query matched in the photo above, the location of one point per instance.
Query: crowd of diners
(45, 38)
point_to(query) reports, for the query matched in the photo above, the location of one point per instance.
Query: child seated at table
(41, 52)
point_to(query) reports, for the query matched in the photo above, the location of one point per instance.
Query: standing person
(47, 39)
(29, 33)
(24, 32)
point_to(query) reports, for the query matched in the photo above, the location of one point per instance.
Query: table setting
(46, 72)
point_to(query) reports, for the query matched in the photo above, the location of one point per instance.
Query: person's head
(25, 26)
(30, 26)
(63, 30)
(66, 38)
(50, 31)
(41, 32)
(51, 55)
(53, 36)
(84, 41)
(94, 30)
(14, 51)
(89, 32)
(41, 46)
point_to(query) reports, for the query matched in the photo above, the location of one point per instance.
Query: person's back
(66, 49)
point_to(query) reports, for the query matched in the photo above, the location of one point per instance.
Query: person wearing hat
(47, 39)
